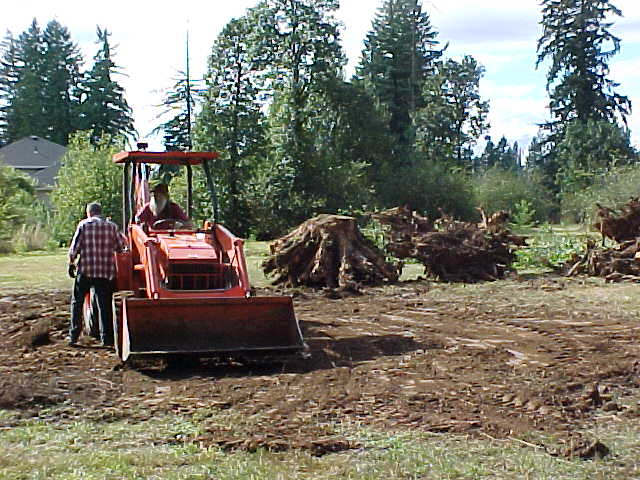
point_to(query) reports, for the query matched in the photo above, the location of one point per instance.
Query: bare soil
(506, 359)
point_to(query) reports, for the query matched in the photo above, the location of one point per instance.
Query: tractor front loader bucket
(206, 327)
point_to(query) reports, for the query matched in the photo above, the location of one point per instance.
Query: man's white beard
(157, 204)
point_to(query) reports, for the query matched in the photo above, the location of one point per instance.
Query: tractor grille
(196, 276)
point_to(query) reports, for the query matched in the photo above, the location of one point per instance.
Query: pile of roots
(451, 250)
(620, 262)
(328, 251)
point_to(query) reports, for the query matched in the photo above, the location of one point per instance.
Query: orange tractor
(186, 291)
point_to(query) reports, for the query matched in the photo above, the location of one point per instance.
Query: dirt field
(508, 359)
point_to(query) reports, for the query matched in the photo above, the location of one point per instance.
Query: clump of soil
(451, 250)
(37, 335)
(328, 251)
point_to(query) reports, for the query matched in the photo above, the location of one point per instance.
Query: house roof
(36, 156)
(32, 152)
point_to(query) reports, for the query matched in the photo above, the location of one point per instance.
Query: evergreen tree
(578, 43)
(104, 110)
(454, 115)
(8, 80)
(62, 62)
(399, 56)
(179, 102)
(26, 113)
(500, 155)
(232, 123)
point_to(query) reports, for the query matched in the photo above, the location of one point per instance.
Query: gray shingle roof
(36, 156)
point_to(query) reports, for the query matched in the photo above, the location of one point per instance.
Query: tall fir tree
(578, 43)
(26, 113)
(8, 80)
(104, 110)
(62, 61)
(179, 103)
(399, 55)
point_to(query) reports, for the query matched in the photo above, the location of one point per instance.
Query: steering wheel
(167, 224)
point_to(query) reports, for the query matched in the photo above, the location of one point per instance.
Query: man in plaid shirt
(95, 241)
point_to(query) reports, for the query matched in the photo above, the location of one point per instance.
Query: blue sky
(501, 34)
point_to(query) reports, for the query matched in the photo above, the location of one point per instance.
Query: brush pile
(328, 251)
(618, 263)
(451, 250)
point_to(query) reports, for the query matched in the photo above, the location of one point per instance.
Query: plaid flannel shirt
(95, 241)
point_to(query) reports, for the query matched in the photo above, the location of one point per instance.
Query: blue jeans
(103, 290)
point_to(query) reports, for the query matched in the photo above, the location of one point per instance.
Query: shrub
(430, 187)
(610, 188)
(31, 237)
(500, 189)
(87, 174)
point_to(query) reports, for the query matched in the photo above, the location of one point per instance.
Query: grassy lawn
(48, 270)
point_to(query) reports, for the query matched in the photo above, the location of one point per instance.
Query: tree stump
(328, 251)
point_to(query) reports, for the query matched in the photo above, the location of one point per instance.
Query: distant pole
(188, 97)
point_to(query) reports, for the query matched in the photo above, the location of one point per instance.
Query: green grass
(48, 270)
(39, 270)
(164, 448)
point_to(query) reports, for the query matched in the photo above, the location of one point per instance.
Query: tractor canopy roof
(165, 158)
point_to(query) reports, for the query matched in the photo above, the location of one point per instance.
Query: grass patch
(48, 270)
(550, 246)
(40, 270)
(162, 448)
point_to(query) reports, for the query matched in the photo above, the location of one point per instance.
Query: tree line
(298, 138)
(45, 92)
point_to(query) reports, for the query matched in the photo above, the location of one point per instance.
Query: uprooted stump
(328, 251)
(456, 251)
(619, 225)
(620, 263)
(615, 264)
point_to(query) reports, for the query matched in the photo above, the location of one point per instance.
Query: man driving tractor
(160, 212)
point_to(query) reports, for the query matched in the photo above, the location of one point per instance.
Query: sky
(149, 39)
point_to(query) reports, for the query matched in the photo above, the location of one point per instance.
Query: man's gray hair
(94, 208)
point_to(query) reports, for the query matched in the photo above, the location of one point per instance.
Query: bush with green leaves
(17, 195)
(429, 187)
(503, 189)
(87, 174)
(20, 212)
(548, 249)
(610, 188)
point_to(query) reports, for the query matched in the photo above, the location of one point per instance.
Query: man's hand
(72, 270)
